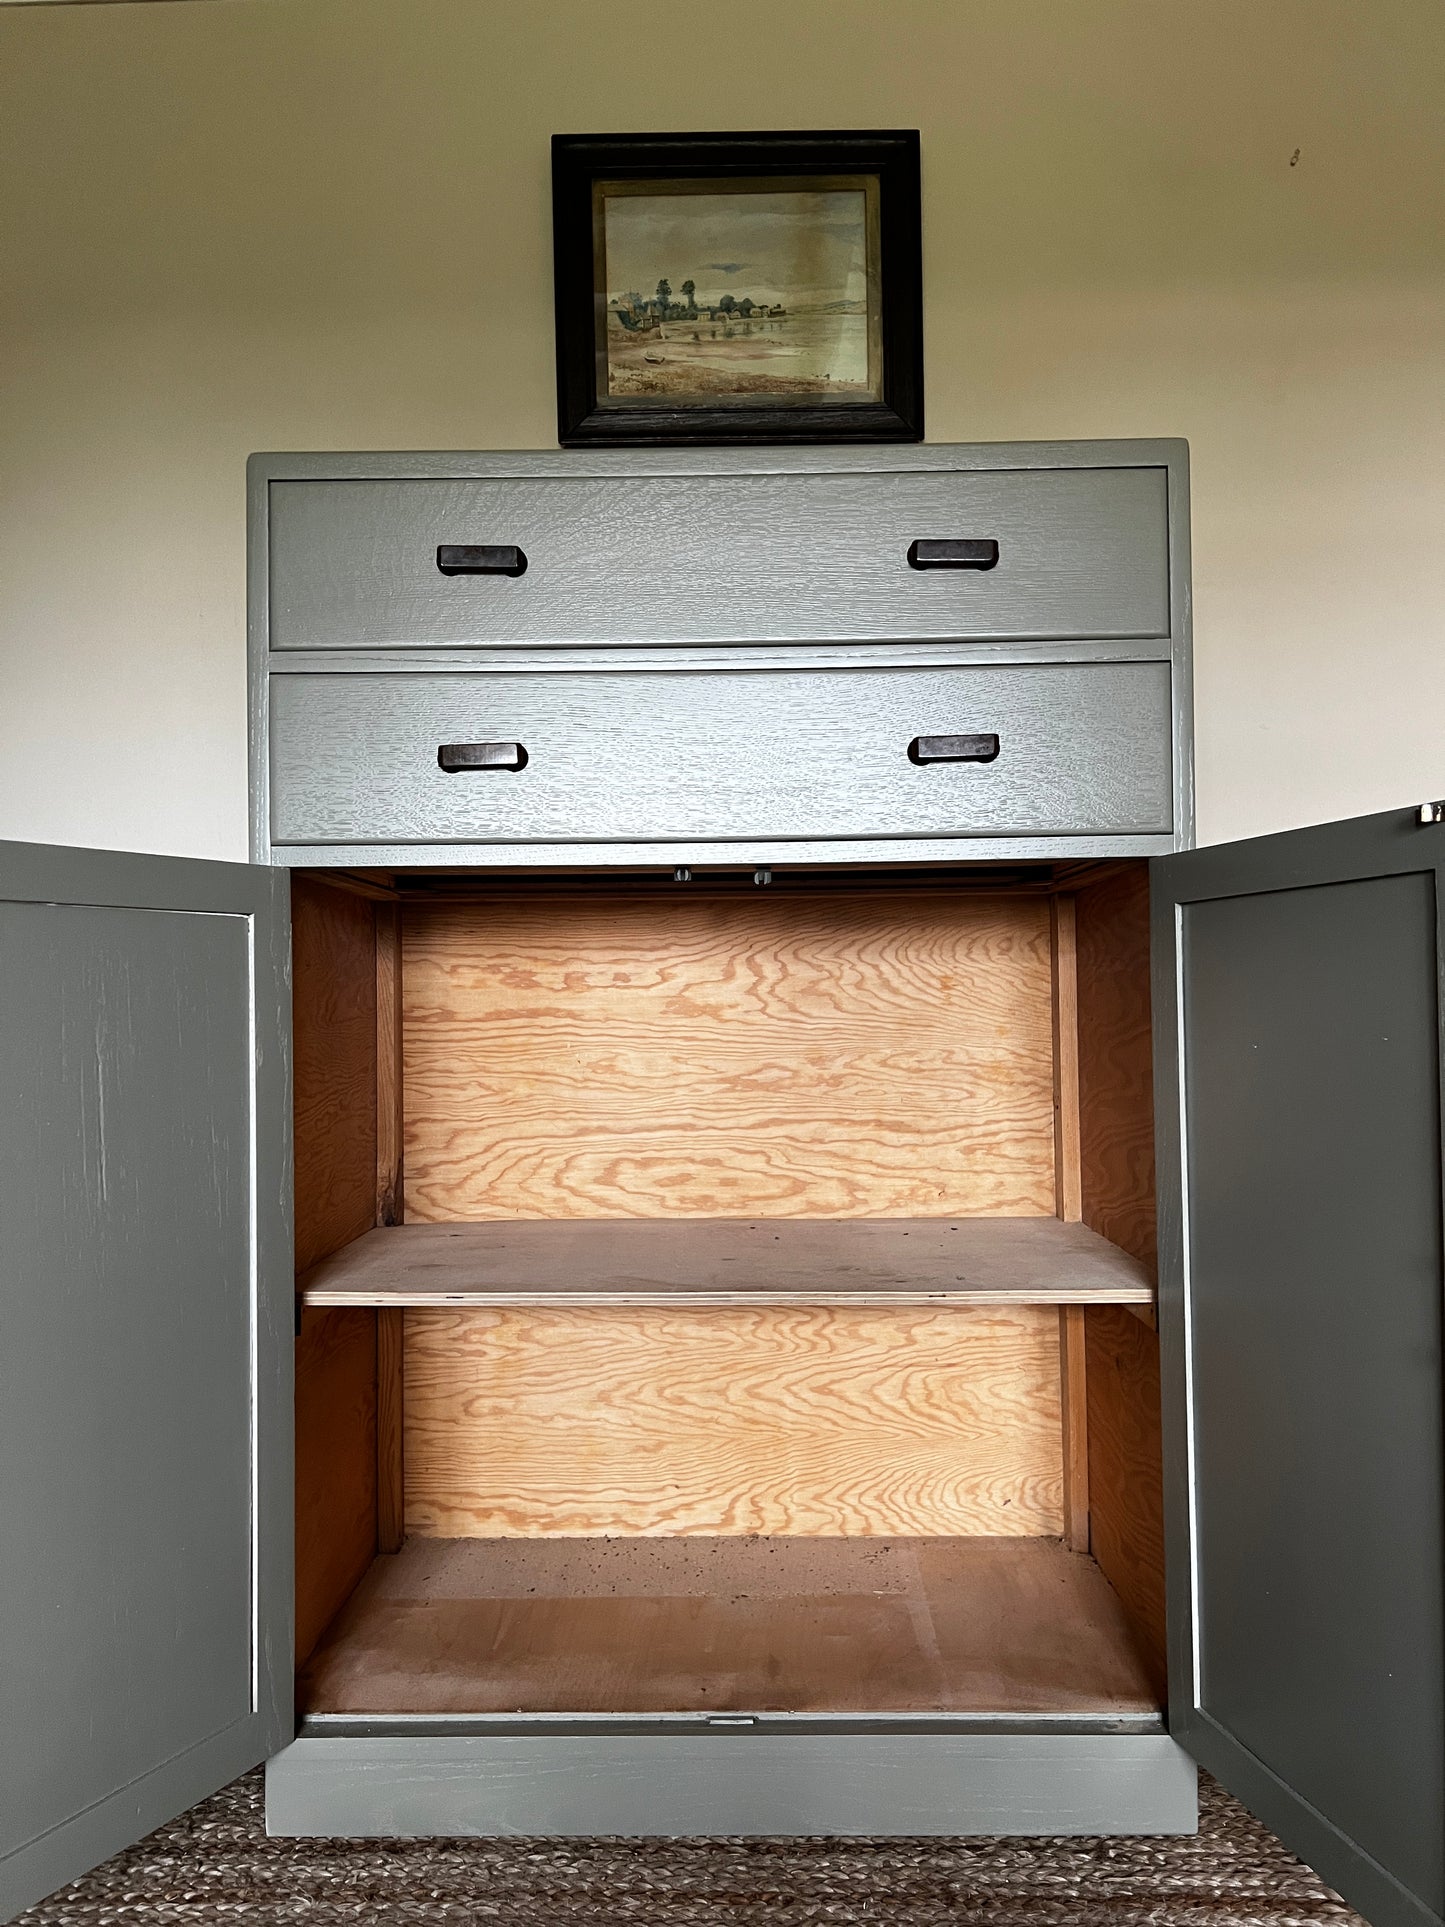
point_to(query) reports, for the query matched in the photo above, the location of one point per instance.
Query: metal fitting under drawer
(651, 757)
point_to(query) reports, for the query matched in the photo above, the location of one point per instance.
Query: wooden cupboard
(815, 1268)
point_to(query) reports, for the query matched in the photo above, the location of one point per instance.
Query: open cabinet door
(145, 1346)
(1298, 1086)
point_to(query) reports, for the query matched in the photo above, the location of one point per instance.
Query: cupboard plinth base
(732, 1781)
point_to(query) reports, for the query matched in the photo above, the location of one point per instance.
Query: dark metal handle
(457, 757)
(481, 558)
(953, 749)
(971, 552)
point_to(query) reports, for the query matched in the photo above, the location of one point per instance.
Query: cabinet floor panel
(731, 1261)
(712, 1625)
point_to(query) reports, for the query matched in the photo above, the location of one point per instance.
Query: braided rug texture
(215, 1865)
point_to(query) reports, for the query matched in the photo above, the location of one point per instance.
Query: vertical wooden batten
(1074, 1404)
(1068, 1179)
(1068, 1194)
(390, 1349)
(388, 1064)
(390, 1461)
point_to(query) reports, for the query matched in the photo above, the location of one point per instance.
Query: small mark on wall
(1294, 158)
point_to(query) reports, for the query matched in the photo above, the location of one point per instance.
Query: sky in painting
(800, 249)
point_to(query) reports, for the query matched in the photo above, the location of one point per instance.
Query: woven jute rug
(215, 1865)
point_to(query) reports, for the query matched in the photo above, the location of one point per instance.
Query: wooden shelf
(680, 1262)
(710, 1625)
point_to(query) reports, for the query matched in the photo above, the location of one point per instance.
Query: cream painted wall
(324, 224)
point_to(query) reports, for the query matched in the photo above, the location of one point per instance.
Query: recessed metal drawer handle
(457, 757)
(481, 558)
(971, 552)
(953, 749)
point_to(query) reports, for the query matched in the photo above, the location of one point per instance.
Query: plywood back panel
(784, 1055)
(562, 1423)
(1126, 1490)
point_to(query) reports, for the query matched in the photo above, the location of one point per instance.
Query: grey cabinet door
(1298, 1086)
(145, 1346)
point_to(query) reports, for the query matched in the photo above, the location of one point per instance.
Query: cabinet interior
(568, 1444)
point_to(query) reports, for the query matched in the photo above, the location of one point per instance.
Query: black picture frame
(585, 420)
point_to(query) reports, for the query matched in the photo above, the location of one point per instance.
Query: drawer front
(701, 756)
(1082, 554)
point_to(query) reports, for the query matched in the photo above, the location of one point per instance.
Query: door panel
(1301, 1320)
(145, 1346)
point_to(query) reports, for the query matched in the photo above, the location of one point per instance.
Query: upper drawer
(1082, 555)
(647, 757)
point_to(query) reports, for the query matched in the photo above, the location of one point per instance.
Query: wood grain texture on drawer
(726, 754)
(1082, 553)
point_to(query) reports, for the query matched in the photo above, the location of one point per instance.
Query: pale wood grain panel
(335, 1464)
(729, 1261)
(855, 1055)
(1117, 1160)
(718, 1625)
(557, 1423)
(333, 1002)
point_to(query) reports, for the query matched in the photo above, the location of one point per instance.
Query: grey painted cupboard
(727, 1231)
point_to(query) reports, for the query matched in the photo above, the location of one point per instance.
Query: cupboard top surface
(467, 464)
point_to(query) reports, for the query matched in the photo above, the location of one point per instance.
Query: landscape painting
(734, 291)
(731, 290)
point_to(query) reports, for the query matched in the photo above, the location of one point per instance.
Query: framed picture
(717, 288)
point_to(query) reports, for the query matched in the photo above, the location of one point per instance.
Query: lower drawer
(721, 754)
